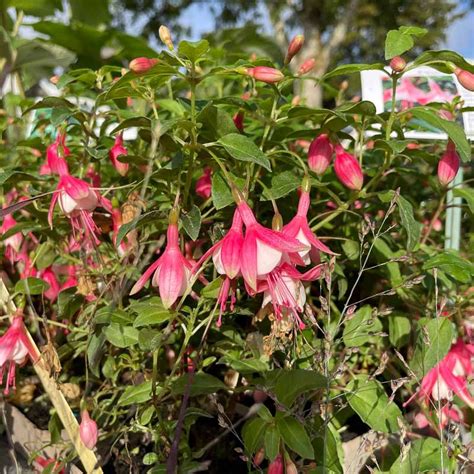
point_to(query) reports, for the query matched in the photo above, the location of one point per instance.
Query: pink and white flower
(118, 150)
(13, 243)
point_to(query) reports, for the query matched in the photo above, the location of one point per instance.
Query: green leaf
(467, 194)
(150, 312)
(425, 455)
(393, 268)
(16, 176)
(351, 249)
(136, 394)
(95, 349)
(452, 264)
(265, 414)
(221, 193)
(211, 291)
(201, 384)
(346, 69)
(192, 222)
(433, 341)
(193, 51)
(412, 227)
(452, 129)
(243, 149)
(399, 41)
(54, 427)
(399, 329)
(282, 184)
(369, 400)
(271, 442)
(252, 434)
(69, 302)
(121, 336)
(31, 286)
(245, 366)
(216, 123)
(439, 60)
(328, 448)
(137, 222)
(51, 102)
(360, 328)
(295, 436)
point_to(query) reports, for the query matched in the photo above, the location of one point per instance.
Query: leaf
(121, 336)
(150, 311)
(369, 400)
(271, 442)
(221, 193)
(451, 263)
(135, 394)
(399, 41)
(346, 69)
(282, 184)
(16, 176)
(51, 102)
(412, 227)
(328, 447)
(216, 123)
(295, 436)
(137, 222)
(54, 427)
(351, 249)
(425, 455)
(360, 328)
(31, 286)
(452, 129)
(393, 268)
(439, 59)
(243, 149)
(245, 366)
(95, 349)
(202, 384)
(193, 51)
(399, 329)
(467, 194)
(211, 291)
(192, 222)
(434, 338)
(252, 434)
(69, 302)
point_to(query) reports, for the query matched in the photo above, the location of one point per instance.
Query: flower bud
(266, 74)
(165, 37)
(259, 457)
(320, 154)
(141, 65)
(398, 64)
(448, 165)
(465, 78)
(238, 119)
(290, 467)
(88, 430)
(307, 66)
(276, 466)
(293, 48)
(348, 169)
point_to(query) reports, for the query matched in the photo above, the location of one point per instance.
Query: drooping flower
(88, 430)
(238, 119)
(266, 74)
(276, 466)
(56, 155)
(348, 169)
(118, 150)
(71, 280)
(171, 271)
(293, 48)
(13, 243)
(320, 154)
(448, 165)
(298, 228)
(262, 249)
(15, 347)
(204, 184)
(449, 376)
(50, 278)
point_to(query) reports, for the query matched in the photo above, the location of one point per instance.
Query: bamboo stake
(87, 456)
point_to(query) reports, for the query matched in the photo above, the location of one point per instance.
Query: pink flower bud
(238, 119)
(141, 65)
(307, 66)
(88, 430)
(204, 184)
(118, 150)
(259, 457)
(276, 466)
(448, 165)
(348, 169)
(293, 48)
(465, 78)
(290, 467)
(320, 154)
(398, 64)
(266, 74)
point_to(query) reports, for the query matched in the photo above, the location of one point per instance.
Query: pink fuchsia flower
(142, 65)
(307, 66)
(88, 430)
(42, 463)
(320, 154)
(118, 150)
(94, 177)
(204, 184)
(465, 78)
(56, 155)
(448, 165)
(449, 376)
(294, 47)
(262, 249)
(50, 278)
(448, 413)
(298, 228)
(238, 119)
(171, 271)
(15, 347)
(71, 280)
(348, 169)
(266, 74)
(13, 243)
(276, 466)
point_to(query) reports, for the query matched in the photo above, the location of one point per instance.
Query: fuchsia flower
(293, 48)
(266, 74)
(171, 271)
(88, 430)
(307, 66)
(465, 78)
(262, 249)
(12, 243)
(142, 65)
(449, 376)
(238, 119)
(320, 154)
(276, 466)
(71, 280)
(447, 414)
(56, 155)
(348, 169)
(50, 278)
(118, 150)
(204, 184)
(15, 347)
(448, 165)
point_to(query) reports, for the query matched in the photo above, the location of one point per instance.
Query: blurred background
(39, 37)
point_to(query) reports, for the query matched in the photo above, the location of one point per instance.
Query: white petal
(267, 258)
(19, 353)
(441, 390)
(67, 203)
(217, 259)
